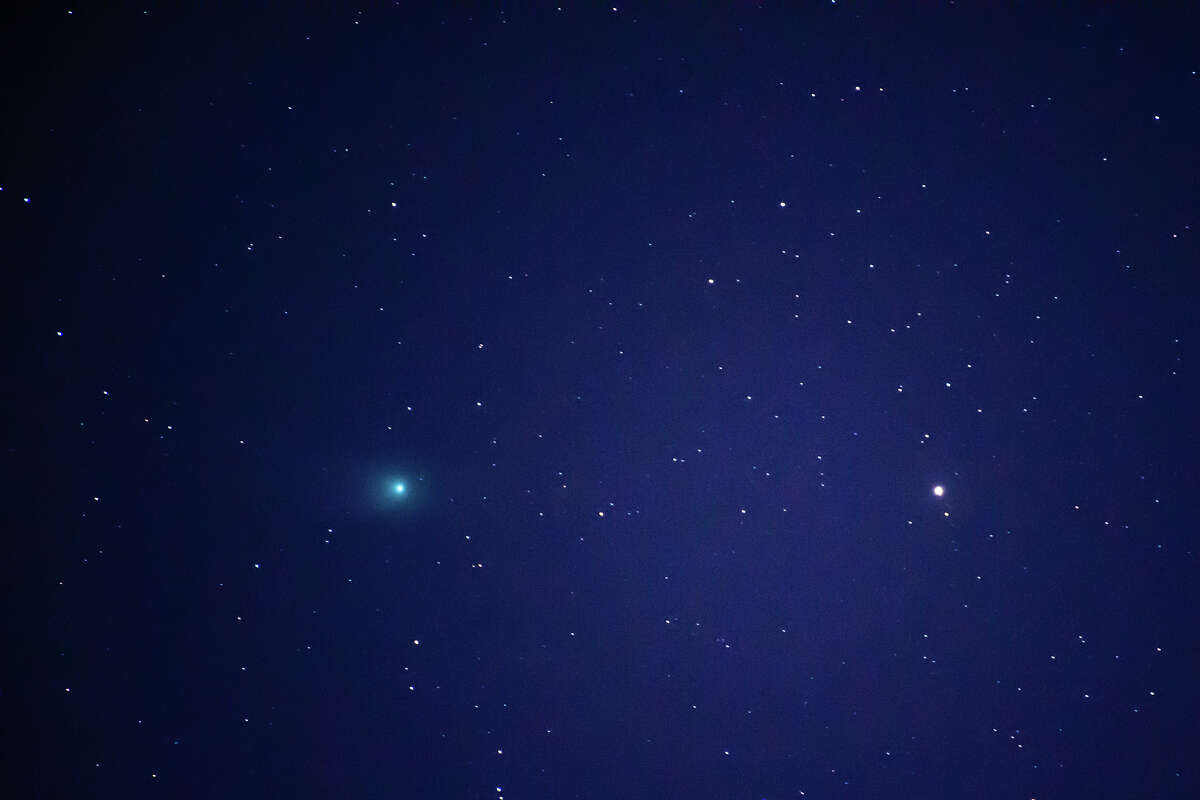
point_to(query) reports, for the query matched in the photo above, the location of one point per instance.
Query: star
(939, 490)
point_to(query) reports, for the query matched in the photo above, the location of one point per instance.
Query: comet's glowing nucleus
(398, 488)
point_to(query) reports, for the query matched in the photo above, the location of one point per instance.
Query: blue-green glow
(398, 488)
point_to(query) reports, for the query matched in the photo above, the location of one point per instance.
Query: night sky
(729, 400)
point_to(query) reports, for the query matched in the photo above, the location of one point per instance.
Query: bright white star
(939, 490)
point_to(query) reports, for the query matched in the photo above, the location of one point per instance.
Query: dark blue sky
(670, 321)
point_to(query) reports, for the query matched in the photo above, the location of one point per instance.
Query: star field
(749, 401)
